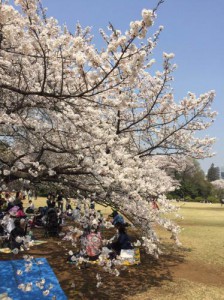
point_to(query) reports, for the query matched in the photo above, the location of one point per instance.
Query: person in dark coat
(60, 200)
(18, 231)
(122, 242)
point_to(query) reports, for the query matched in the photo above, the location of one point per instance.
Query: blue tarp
(10, 280)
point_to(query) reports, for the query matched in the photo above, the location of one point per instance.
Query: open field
(193, 272)
(41, 201)
(200, 273)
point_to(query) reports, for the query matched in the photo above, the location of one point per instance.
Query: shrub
(188, 199)
(199, 199)
(213, 199)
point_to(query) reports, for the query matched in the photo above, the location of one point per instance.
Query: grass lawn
(203, 232)
(201, 273)
(41, 201)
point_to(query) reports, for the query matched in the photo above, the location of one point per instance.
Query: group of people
(50, 216)
(9, 201)
(94, 244)
(57, 200)
(14, 222)
(90, 237)
(12, 218)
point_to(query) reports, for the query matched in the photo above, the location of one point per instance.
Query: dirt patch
(200, 273)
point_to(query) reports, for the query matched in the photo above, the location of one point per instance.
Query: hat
(114, 213)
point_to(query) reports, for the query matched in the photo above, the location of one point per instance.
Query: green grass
(41, 201)
(183, 290)
(202, 237)
(203, 227)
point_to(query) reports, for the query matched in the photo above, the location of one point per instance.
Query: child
(76, 214)
(30, 208)
(68, 208)
(92, 204)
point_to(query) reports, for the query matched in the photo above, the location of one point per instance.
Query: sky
(193, 30)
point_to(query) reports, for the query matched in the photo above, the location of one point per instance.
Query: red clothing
(155, 205)
(20, 213)
(93, 244)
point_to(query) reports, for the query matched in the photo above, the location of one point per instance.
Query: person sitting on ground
(2, 212)
(68, 208)
(8, 222)
(60, 216)
(117, 218)
(9, 199)
(24, 224)
(46, 211)
(76, 213)
(30, 208)
(99, 216)
(93, 243)
(122, 242)
(92, 204)
(50, 200)
(18, 231)
(2, 204)
(10, 204)
(52, 223)
(37, 218)
(68, 204)
(18, 199)
(60, 197)
(20, 213)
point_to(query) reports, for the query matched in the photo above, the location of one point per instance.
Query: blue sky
(193, 30)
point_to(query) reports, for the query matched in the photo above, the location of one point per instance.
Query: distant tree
(213, 173)
(218, 188)
(218, 184)
(193, 182)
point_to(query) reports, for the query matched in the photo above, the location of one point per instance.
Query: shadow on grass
(133, 280)
(81, 283)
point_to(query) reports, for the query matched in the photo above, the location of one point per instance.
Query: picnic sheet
(10, 280)
(125, 262)
(35, 243)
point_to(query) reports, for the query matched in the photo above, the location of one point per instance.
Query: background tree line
(195, 185)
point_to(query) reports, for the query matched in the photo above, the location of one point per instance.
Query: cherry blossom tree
(95, 120)
(218, 184)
